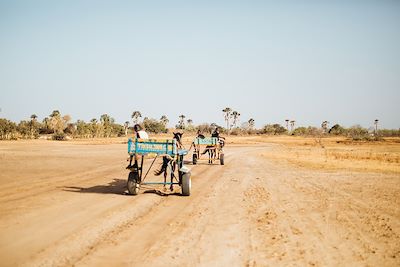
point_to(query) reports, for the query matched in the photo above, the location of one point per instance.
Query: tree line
(60, 127)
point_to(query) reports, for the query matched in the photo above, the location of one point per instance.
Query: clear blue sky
(270, 60)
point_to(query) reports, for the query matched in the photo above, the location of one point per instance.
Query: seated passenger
(200, 135)
(140, 132)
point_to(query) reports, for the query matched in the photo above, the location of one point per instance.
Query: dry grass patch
(338, 153)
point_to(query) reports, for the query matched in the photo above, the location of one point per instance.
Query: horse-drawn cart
(213, 146)
(138, 149)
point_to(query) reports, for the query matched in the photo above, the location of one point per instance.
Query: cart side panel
(209, 141)
(147, 146)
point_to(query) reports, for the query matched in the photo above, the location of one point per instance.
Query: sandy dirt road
(64, 204)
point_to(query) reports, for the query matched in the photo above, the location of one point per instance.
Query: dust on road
(64, 204)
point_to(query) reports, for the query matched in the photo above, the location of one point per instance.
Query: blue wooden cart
(138, 149)
(211, 145)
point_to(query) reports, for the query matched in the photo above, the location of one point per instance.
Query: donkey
(212, 149)
(212, 152)
(169, 161)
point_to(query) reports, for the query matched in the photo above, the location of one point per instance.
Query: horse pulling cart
(138, 149)
(211, 145)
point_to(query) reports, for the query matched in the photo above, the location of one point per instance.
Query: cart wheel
(194, 159)
(132, 184)
(186, 184)
(221, 159)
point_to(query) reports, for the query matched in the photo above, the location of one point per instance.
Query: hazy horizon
(309, 62)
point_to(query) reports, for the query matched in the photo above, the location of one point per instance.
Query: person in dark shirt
(215, 133)
(200, 135)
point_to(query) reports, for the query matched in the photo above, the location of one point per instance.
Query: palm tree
(55, 113)
(287, 124)
(94, 127)
(126, 125)
(227, 116)
(32, 123)
(189, 122)
(251, 123)
(135, 116)
(181, 123)
(292, 125)
(164, 120)
(376, 126)
(324, 126)
(34, 117)
(56, 123)
(105, 119)
(235, 116)
(46, 124)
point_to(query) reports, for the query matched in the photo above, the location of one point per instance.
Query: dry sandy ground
(64, 203)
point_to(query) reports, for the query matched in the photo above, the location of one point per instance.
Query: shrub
(273, 129)
(59, 136)
(154, 126)
(389, 133)
(309, 131)
(8, 129)
(300, 131)
(357, 133)
(337, 130)
(237, 131)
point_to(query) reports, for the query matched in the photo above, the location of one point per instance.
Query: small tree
(376, 126)
(8, 129)
(251, 123)
(154, 126)
(45, 127)
(227, 115)
(358, 133)
(324, 126)
(274, 129)
(56, 123)
(287, 124)
(164, 120)
(34, 127)
(135, 116)
(106, 122)
(126, 126)
(292, 122)
(337, 130)
(83, 129)
(181, 123)
(235, 117)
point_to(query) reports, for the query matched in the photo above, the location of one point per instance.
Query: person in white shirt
(139, 132)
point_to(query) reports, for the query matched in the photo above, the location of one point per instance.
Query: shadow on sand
(117, 186)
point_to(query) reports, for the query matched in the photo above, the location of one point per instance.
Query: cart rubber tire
(186, 184)
(194, 159)
(132, 184)
(221, 159)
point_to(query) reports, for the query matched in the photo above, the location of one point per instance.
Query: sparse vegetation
(154, 126)
(273, 129)
(59, 127)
